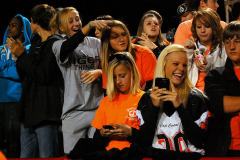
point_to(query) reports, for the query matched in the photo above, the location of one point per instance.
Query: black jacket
(196, 106)
(42, 99)
(142, 139)
(218, 83)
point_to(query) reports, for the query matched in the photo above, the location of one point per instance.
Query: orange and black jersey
(173, 129)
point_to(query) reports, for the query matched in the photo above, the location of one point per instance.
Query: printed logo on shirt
(131, 118)
(84, 62)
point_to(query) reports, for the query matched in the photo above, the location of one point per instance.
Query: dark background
(129, 11)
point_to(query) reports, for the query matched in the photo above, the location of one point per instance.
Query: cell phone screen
(162, 83)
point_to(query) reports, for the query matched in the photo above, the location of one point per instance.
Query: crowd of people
(63, 92)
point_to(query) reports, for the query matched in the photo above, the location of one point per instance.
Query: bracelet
(90, 24)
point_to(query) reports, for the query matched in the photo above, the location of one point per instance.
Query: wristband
(90, 24)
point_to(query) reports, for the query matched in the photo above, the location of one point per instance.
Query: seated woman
(172, 120)
(117, 109)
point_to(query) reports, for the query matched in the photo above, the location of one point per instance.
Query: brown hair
(106, 49)
(231, 30)
(209, 18)
(152, 13)
(42, 14)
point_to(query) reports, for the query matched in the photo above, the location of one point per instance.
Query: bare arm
(231, 104)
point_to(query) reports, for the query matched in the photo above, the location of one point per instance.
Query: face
(151, 26)
(204, 32)
(176, 68)
(122, 78)
(98, 33)
(118, 39)
(15, 29)
(186, 16)
(74, 23)
(213, 4)
(232, 47)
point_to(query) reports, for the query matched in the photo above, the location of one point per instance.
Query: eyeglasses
(119, 57)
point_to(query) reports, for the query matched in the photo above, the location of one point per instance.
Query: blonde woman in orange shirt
(116, 117)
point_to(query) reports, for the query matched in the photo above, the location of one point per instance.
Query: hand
(15, 46)
(155, 95)
(121, 130)
(101, 24)
(105, 132)
(189, 43)
(171, 96)
(145, 41)
(200, 66)
(91, 76)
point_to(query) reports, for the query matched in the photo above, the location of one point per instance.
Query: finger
(84, 74)
(89, 80)
(19, 41)
(144, 35)
(191, 38)
(155, 90)
(140, 38)
(12, 39)
(114, 125)
(86, 79)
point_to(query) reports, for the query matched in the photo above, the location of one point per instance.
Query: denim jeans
(40, 142)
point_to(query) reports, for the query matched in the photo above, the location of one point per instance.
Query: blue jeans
(41, 142)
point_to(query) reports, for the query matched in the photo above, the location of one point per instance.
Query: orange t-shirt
(146, 63)
(235, 124)
(121, 110)
(200, 83)
(2, 157)
(184, 32)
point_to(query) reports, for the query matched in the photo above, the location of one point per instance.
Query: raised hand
(145, 41)
(16, 47)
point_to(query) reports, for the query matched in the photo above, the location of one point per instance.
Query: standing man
(11, 88)
(41, 100)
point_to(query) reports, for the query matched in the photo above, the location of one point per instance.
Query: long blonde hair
(186, 86)
(126, 59)
(61, 20)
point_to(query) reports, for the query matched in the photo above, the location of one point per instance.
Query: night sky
(128, 11)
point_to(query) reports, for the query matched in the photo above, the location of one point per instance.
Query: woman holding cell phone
(171, 119)
(167, 122)
(205, 49)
